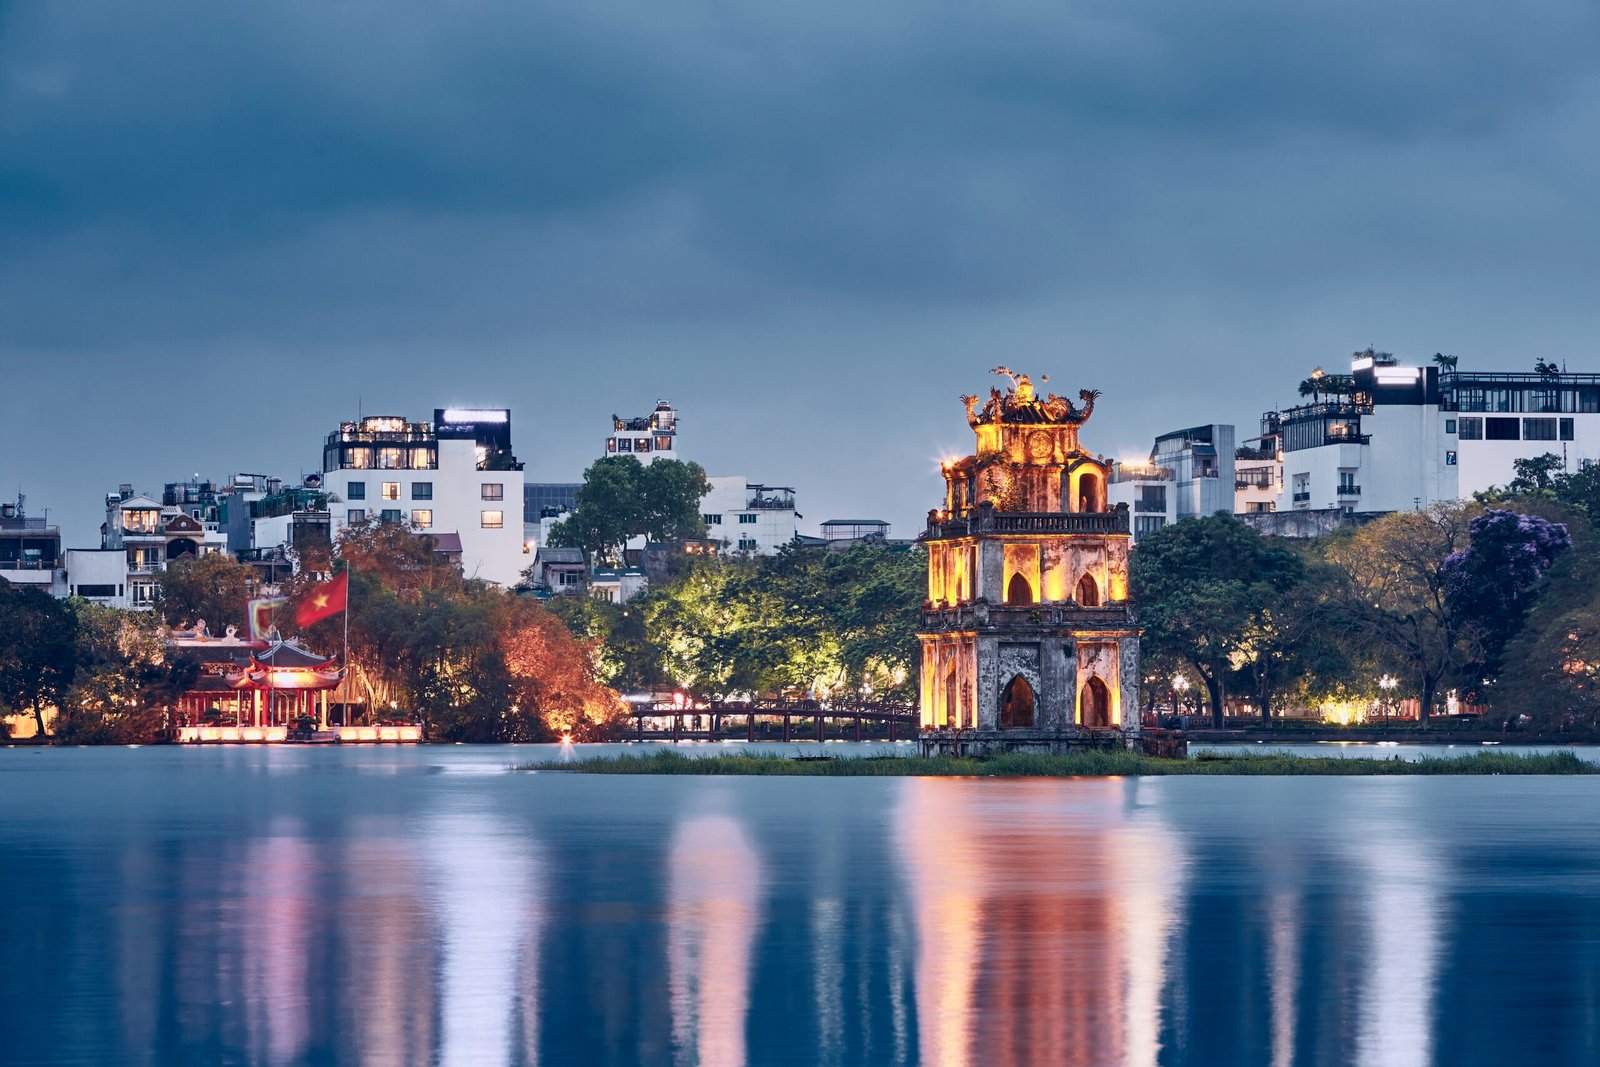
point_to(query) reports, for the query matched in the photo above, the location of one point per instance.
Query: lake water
(429, 906)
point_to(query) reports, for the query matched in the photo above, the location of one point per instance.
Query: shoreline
(1102, 764)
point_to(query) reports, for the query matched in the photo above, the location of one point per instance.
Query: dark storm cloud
(574, 209)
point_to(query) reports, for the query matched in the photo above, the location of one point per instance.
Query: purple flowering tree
(1490, 582)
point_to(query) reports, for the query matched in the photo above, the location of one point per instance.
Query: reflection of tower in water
(1042, 929)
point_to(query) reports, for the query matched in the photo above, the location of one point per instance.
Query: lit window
(642, 445)
(356, 515)
(493, 491)
(391, 490)
(494, 520)
(422, 518)
(611, 444)
(421, 490)
(663, 443)
(356, 491)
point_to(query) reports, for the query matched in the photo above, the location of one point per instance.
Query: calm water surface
(429, 906)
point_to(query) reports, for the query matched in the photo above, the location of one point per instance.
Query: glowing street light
(1180, 687)
(1387, 683)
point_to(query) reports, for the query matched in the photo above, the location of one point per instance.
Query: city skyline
(225, 229)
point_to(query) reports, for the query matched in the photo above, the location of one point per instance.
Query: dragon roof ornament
(1020, 404)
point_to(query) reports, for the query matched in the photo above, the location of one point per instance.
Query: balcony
(1302, 498)
(1051, 616)
(986, 520)
(769, 498)
(1349, 490)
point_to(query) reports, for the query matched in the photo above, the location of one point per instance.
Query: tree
(215, 588)
(622, 498)
(125, 681)
(1444, 362)
(1491, 581)
(38, 650)
(552, 673)
(1394, 594)
(1206, 589)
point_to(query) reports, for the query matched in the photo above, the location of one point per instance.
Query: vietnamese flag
(326, 599)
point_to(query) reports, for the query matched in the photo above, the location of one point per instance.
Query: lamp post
(1180, 689)
(1387, 683)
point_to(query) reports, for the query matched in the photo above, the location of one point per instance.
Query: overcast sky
(810, 225)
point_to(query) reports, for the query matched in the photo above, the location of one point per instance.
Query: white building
(456, 475)
(140, 538)
(1190, 474)
(649, 437)
(1498, 417)
(30, 549)
(748, 517)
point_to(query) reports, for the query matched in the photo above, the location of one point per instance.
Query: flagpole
(347, 642)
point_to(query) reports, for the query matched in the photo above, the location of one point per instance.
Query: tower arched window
(1018, 591)
(1090, 495)
(1016, 705)
(1088, 592)
(1095, 705)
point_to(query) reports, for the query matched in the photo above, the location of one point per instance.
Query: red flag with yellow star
(326, 599)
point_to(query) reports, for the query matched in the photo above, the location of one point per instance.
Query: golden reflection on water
(714, 880)
(1043, 928)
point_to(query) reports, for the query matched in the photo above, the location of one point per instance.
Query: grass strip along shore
(1099, 764)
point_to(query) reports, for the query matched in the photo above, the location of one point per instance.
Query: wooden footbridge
(800, 719)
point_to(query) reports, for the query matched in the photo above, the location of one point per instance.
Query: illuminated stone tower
(1027, 638)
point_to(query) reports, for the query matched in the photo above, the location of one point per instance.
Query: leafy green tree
(38, 650)
(1206, 590)
(1394, 595)
(126, 679)
(215, 588)
(1444, 362)
(622, 498)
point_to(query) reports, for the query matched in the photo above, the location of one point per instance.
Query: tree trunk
(1214, 687)
(1429, 687)
(1266, 706)
(38, 717)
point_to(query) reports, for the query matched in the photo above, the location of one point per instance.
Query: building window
(642, 445)
(1302, 488)
(1538, 429)
(569, 578)
(493, 491)
(663, 443)
(356, 491)
(421, 490)
(611, 444)
(747, 520)
(1566, 430)
(1152, 499)
(624, 444)
(1502, 429)
(389, 515)
(747, 544)
(143, 592)
(1471, 400)
(1449, 425)
(356, 515)
(494, 520)
(1347, 484)
(712, 520)
(1589, 399)
(391, 490)
(1544, 400)
(1147, 524)
(1471, 429)
(422, 518)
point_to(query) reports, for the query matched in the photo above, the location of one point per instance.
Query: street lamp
(1387, 683)
(1180, 688)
